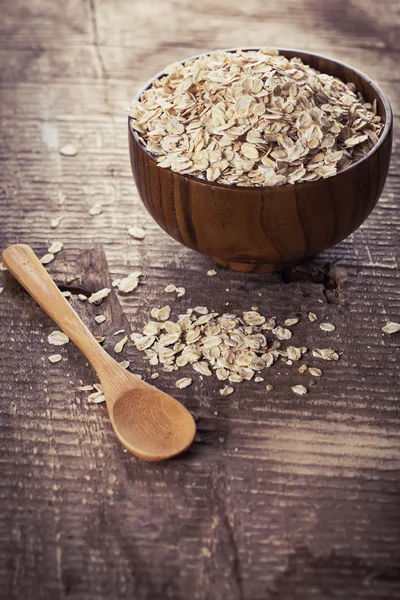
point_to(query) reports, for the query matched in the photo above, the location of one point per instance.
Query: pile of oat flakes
(235, 348)
(253, 118)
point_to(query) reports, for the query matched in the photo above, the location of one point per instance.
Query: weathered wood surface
(281, 497)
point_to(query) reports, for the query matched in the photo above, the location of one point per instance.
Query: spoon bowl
(149, 423)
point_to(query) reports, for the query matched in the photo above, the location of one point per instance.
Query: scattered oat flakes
(55, 247)
(99, 338)
(47, 258)
(3, 266)
(291, 322)
(57, 338)
(96, 209)
(183, 383)
(100, 319)
(55, 358)
(269, 387)
(391, 328)
(68, 150)
(1, 290)
(119, 346)
(82, 297)
(211, 273)
(325, 354)
(119, 331)
(327, 326)
(299, 389)
(253, 118)
(303, 368)
(226, 390)
(137, 232)
(97, 297)
(235, 348)
(66, 294)
(170, 288)
(315, 372)
(312, 316)
(98, 387)
(85, 388)
(55, 221)
(180, 291)
(154, 375)
(258, 379)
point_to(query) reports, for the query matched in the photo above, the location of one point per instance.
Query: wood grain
(308, 506)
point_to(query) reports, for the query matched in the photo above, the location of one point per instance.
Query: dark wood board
(281, 497)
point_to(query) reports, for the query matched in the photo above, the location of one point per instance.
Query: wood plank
(280, 497)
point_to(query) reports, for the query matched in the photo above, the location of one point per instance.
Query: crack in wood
(329, 276)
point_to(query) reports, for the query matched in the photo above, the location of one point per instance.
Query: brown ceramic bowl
(268, 229)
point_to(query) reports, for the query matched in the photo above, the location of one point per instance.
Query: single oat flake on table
(253, 118)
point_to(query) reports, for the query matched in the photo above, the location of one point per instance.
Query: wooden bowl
(260, 229)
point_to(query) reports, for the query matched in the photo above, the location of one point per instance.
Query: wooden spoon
(149, 423)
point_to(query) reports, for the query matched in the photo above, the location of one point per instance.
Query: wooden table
(281, 497)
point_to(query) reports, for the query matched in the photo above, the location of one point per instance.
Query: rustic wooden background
(281, 497)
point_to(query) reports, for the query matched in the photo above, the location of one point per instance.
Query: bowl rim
(388, 124)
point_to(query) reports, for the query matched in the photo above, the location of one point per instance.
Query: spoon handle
(23, 263)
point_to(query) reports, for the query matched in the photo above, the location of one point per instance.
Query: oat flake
(327, 326)
(100, 319)
(47, 258)
(325, 354)
(315, 372)
(183, 383)
(97, 297)
(96, 209)
(55, 221)
(137, 232)
(55, 247)
(68, 150)
(55, 358)
(299, 390)
(227, 390)
(57, 338)
(119, 346)
(391, 328)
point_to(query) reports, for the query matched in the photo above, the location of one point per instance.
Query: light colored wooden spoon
(148, 422)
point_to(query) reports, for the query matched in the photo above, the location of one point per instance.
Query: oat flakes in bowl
(258, 158)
